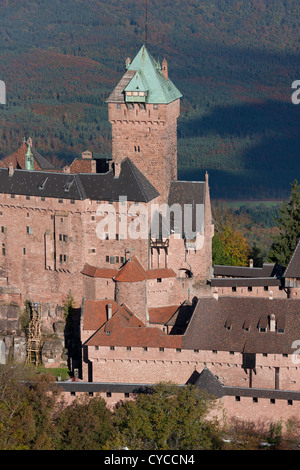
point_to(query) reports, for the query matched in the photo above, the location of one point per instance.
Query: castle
(152, 306)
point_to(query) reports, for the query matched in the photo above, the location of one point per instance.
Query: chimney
(93, 166)
(117, 169)
(109, 311)
(250, 263)
(10, 169)
(87, 155)
(272, 322)
(165, 69)
(215, 293)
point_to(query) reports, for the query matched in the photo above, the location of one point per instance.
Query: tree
(230, 247)
(84, 425)
(288, 223)
(169, 418)
(25, 409)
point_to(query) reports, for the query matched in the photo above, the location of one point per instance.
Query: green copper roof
(151, 79)
(145, 80)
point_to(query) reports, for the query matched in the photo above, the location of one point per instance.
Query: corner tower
(143, 110)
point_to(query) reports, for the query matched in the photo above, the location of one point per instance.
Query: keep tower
(143, 110)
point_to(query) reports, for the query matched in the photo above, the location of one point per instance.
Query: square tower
(143, 110)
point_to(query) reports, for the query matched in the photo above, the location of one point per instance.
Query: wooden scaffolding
(34, 335)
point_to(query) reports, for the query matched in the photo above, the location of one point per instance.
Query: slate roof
(103, 187)
(267, 270)
(210, 384)
(293, 268)
(232, 324)
(245, 282)
(145, 72)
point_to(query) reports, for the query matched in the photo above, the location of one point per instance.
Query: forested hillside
(234, 62)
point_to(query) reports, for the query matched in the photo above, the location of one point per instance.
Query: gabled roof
(100, 186)
(18, 157)
(293, 268)
(220, 325)
(125, 329)
(95, 313)
(145, 72)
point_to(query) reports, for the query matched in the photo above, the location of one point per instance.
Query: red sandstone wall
(153, 365)
(149, 138)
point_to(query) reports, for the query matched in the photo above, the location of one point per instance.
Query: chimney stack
(272, 322)
(10, 169)
(109, 311)
(117, 169)
(165, 69)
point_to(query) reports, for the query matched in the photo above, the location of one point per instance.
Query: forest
(234, 62)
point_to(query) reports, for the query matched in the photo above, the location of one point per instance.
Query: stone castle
(150, 305)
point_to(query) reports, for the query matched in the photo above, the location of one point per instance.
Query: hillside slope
(234, 61)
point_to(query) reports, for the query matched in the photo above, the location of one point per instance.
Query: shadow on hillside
(271, 160)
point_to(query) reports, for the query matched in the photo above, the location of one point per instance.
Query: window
(106, 236)
(233, 289)
(290, 402)
(272, 400)
(12, 196)
(24, 251)
(29, 230)
(145, 348)
(60, 201)
(43, 198)
(112, 260)
(266, 288)
(3, 229)
(107, 333)
(72, 201)
(3, 251)
(161, 349)
(196, 350)
(155, 106)
(28, 198)
(119, 105)
(237, 398)
(249, 288)
(255, 400)
(128, 348)
(107, 259)
(126, 395)
(178, 349)
(159, 279)
(262, 329)
(108, 394)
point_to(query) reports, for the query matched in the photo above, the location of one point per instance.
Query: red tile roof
(92, 271)
(131, 271)
(95, 313)
(125, 329)
(162, 315)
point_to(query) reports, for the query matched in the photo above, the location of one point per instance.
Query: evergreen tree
(288, 223)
